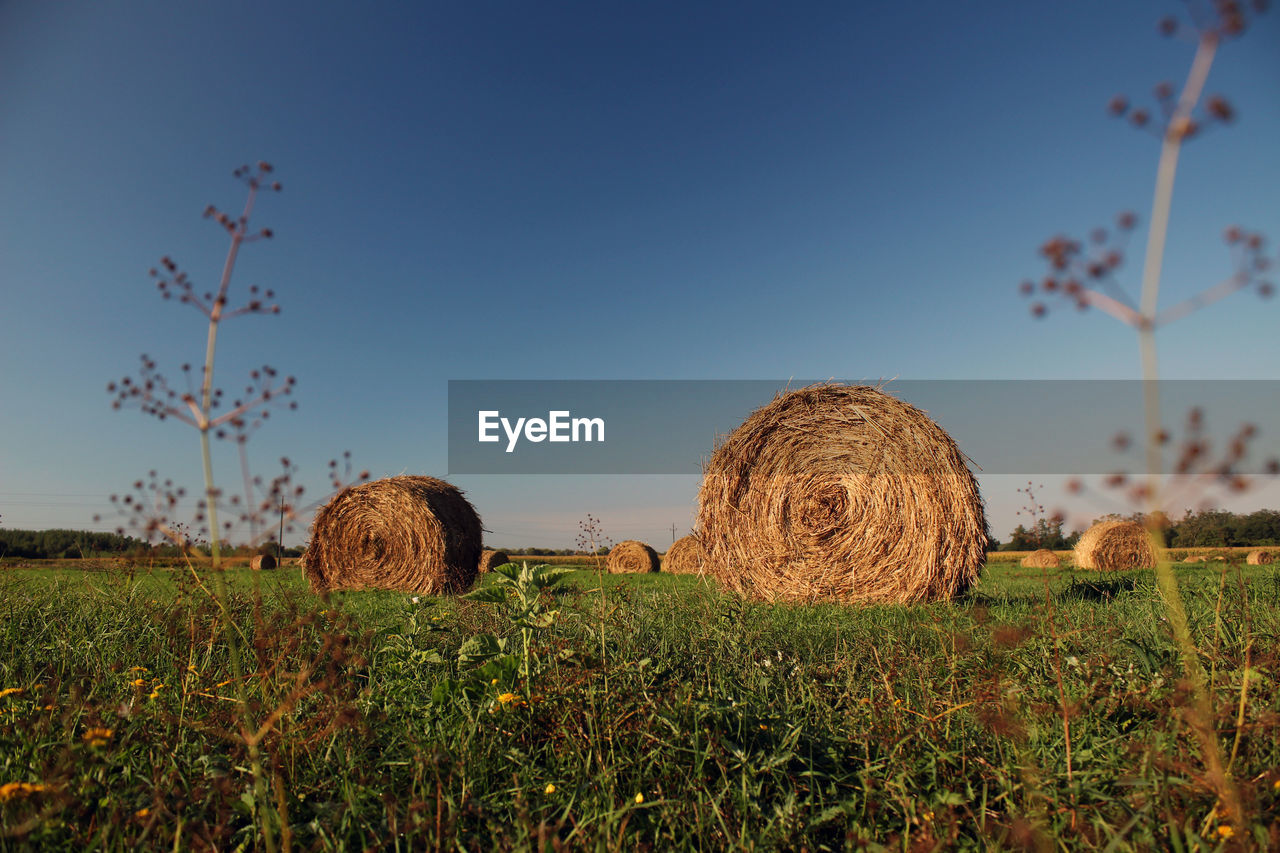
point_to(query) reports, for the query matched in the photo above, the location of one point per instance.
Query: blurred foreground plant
(1085, 276)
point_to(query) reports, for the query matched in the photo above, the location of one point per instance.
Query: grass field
(657, 715)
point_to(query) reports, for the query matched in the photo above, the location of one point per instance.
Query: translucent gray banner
(1025, 427)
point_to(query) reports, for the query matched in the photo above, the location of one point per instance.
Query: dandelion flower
(549, 790)
(141, 813)
(11, 691)
(11, 790)
(138, 682)
(639, 799)
(97, 736)
(155, 691)
(495, 681)
(504, 698)
(138, 669)
(1226, 831)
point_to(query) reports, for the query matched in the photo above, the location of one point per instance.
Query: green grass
(740, 725)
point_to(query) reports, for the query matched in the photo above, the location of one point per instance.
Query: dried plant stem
(1200, 716)
(205, 421)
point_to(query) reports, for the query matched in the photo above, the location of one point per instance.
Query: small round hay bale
(1262, 557)
(1197, 559)
(1111, 546)
(490, 560)
(684, 557)
(841, 493)
(415, 534)
(262, 562)
(1042, 558)
(632, 557)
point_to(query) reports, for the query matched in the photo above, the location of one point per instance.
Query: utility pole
(673, 533)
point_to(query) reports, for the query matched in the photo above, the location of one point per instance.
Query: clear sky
(582, 190)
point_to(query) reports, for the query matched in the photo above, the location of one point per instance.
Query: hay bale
(1197, 559)
(262, 562)
(1262, 557)
(1042, 559)
(416, 534)
(684, 557)
(1114, 546)
(490, 560)
(841, 493)
(632, 556)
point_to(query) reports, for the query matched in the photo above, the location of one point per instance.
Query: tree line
(1208, 528)
(62, 544)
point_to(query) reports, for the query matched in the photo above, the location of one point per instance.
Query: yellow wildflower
(141, 813)
(192, 669)
(138, 682)
(98, 736)
(1275, 786)
(1225, 831)
(11, 691)
(155, 691)
(504, 698)
(549, 790)
(138, 669)
(763, 727)
(495, 681)
(10, 790)
(639, 799)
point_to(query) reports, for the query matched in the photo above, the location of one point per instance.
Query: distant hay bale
(1042, 559)
(841, 493)
(1262, 557)
(684, 557)
(1198, 559)
(1114, 546)
(632, 557)
(415, 534)
(262, 562)
(490, 560)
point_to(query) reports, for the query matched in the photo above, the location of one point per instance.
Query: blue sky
(587, 191)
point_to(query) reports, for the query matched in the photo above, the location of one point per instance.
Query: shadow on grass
(1098, 590)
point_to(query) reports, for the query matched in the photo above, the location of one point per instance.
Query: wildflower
(191, 668)
(155, 691)
(97, 736)
(10, 790)
(1275, 786)
(1225, 831)
(504, 698)
(495, 681)
(549, 790)
(414, 599)
(138, 669)
(138, 682)
(11, 691)
(141, 813)
(639, 799)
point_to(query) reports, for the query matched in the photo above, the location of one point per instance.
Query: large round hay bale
(416, 534)
(1042, 558)
(841, 493)
(631, 556)
(1262, 557)
(490, 560)
(684, 557)
(262, 562)
(1114, 546)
